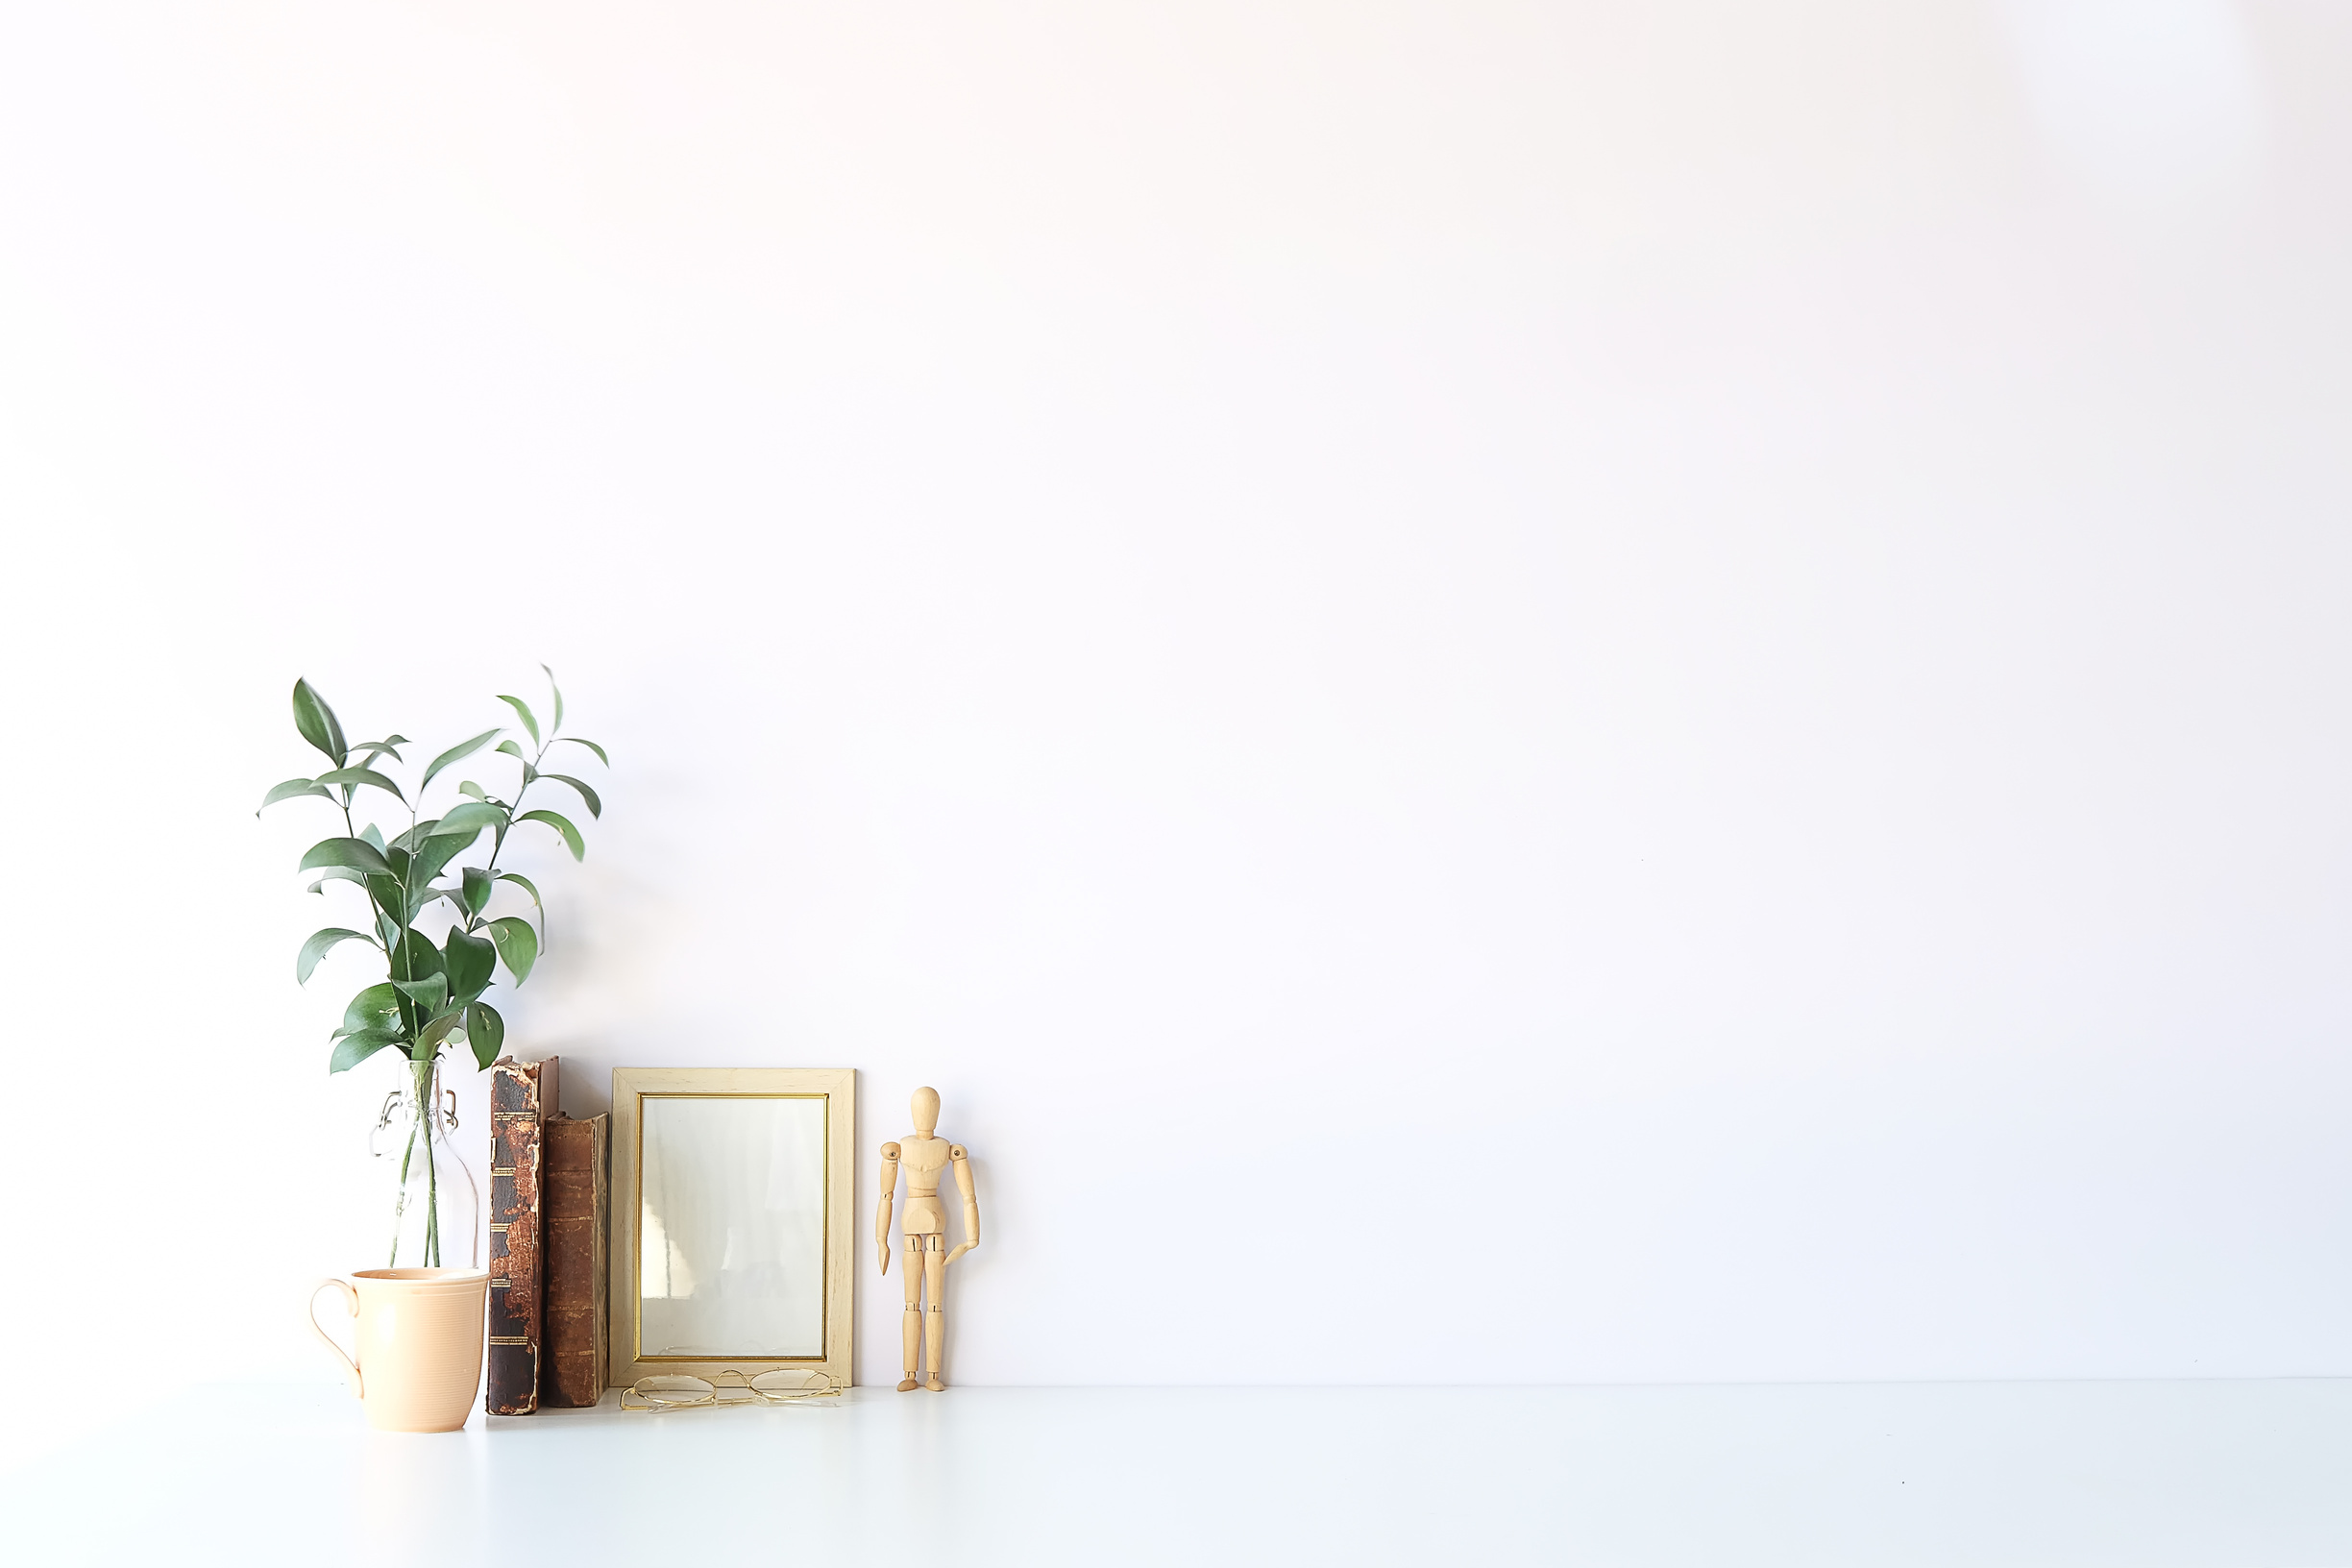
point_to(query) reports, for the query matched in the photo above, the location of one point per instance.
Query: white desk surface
(2123, 1473)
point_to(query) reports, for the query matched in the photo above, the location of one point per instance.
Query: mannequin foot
(909, 1384)
(933, 1384)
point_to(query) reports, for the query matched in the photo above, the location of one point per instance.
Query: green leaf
(316, 948)
(576, 741)
(364, 775)
(391, 903)
(517, 943)
(338, 873)
(459, 752)
(355, 854)
(524, 883)
(375, 1008)
(571, 834)
(317, 722)
(426, 895)
(470, 818)
(470, 962)
(509, 748)
(436, 856)
(367, 752)
(530, 724)
(374, 835)
(558, 691)
(596, 807)
(429, 1037)
(354, 1048)
(471, 791)
(413, 957)
(415, 961)
(479, 884)
(485, 1031)
(430, 992)
(287, 791)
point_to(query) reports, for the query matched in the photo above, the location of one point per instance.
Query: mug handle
(351, 1299)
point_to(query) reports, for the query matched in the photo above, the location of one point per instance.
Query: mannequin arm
(889, 1191)
(957, 1153)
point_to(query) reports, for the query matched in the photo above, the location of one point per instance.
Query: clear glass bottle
(435, 1205)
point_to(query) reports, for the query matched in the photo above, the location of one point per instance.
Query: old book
(578, 1212)
(522, 1096)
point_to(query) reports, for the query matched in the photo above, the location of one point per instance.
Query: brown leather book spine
(578, 1219)
(522, 1094)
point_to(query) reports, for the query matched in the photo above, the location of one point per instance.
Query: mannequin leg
(935, 1321)
(910, 1332)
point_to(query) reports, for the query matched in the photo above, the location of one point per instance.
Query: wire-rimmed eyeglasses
(724, 1390)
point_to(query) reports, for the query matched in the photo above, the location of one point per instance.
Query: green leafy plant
(431, 995)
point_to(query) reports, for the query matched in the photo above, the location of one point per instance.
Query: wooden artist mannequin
(924, 1228)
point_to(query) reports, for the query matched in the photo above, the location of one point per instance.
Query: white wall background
(1502, 692)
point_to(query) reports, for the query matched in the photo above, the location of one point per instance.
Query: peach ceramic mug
(419, 1344)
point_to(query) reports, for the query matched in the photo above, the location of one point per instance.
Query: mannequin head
(925, 1107)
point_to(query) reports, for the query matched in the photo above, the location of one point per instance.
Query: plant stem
(432, 1198)
(350, 832)
(514, 808)
(426, 1111)
(400, 1199)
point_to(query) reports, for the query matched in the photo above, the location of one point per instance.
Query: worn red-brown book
(578, 1210)
(522, 1096)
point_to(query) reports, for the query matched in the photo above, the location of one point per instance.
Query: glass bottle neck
(420, 1096)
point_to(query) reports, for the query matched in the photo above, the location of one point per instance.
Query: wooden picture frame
(734, 1169)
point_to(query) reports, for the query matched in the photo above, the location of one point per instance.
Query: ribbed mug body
(420, 1343)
